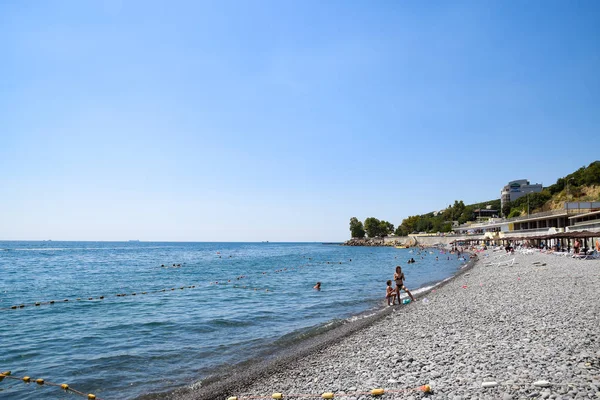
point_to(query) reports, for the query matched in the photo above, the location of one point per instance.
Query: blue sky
(252, 120)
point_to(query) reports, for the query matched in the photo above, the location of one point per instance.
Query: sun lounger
(585, 256)
(507, 263)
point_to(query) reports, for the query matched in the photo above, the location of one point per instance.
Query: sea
(146, 317)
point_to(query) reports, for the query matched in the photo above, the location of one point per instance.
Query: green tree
(506, 208)
(447, 214)
(466, 215)
(410, 223)
(385, 228)
(372, 227)
(356, 228)
(457, 209)
(446, 227)
(536, 201)
(424, 225)
(401, 231)
(591, 175)
(515, 213)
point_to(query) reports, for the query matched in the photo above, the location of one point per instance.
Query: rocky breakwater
(366, 242)
(405, 241)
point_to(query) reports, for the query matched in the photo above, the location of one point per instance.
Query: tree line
(430, 222)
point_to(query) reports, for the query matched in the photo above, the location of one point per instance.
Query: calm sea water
(122, 347)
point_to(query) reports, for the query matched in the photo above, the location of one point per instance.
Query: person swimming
(317, 286)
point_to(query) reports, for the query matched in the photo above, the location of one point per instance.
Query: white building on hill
(516, 189)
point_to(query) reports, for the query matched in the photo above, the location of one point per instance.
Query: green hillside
(581, 185)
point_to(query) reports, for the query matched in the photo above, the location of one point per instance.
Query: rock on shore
(532, 329)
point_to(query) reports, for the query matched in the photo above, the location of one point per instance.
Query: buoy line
(41, 382)
(219, 283)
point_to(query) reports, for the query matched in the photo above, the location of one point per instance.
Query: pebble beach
(530, 330)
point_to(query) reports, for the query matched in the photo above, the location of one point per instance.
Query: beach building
(485, 213)
(574, 216)
(516, 189)
(588, 221)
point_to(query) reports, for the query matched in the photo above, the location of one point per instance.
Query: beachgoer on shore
(399, 278)
(317, 286)
(390, 294)
(576, 246)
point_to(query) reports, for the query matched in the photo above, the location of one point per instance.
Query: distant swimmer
(317, 286)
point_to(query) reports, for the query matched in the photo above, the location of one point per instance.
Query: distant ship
(134, 241)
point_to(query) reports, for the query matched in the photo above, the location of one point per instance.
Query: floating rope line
(166, 290)
(331, 395)
(219, 283)
(41, 382)
(43, 303)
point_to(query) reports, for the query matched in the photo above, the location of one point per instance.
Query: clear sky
(252, 120)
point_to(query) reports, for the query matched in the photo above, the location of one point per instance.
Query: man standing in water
(399, 278)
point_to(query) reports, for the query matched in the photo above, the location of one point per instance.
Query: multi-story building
(516, 189)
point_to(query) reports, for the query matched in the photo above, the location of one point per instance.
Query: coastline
(233, 379)
(528, 330)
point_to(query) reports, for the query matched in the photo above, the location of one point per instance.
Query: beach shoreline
(232, 379)
(525, 330)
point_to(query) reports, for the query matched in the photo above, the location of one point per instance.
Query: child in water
(390, 294)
